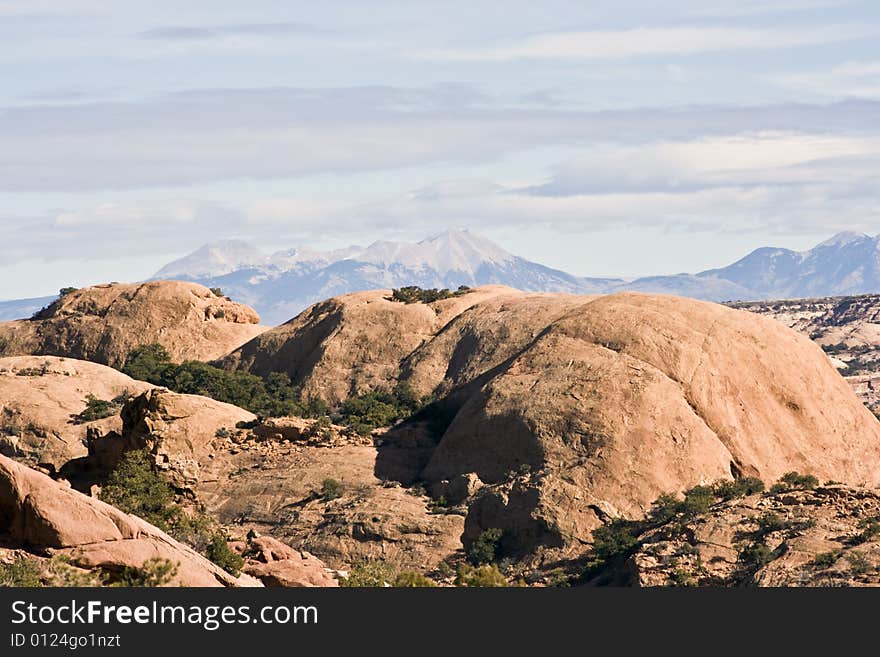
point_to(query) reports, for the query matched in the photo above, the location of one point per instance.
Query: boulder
(40, 399)
(43, 515)
(105, 323)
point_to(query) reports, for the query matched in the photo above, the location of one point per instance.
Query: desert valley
(158, 434)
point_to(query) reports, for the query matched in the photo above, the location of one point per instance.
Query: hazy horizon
(612, 140)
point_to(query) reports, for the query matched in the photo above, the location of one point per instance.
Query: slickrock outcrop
(45, 516)
(573, 410)
(847, 328)
(178, 430)
(629, 396)
(42, 399)
(277, 564)
(353, 343)
(106, 322)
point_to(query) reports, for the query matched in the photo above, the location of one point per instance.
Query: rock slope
(847, 328)
(41, 398)
(104, 323)
(827, 536)
(48, 518)
(577, 409)
(350, 344)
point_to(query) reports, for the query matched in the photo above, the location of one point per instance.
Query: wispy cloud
(783, 183)
(184, 139)
(201, 32)
(853, 79)
(650, 41)
(737, 8)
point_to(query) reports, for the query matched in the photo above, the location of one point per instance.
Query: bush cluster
(484, 576)
(98, 409)
(415, 294)
(372, 410)
(135, 487)
(794, 481)
(273, 396)
(381, 574)
(486, 547)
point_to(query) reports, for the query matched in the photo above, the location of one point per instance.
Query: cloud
(857, 79)
(783, 183)
(195, 33)
(649, 42)
(112, 230)
(731, 161)
(737, 8)
(190, 138)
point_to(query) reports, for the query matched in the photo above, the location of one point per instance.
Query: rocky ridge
(105, 323)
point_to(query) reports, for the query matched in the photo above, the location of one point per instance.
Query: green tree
(484, 576)
(485, 548)
(152, 573)
(136, 488)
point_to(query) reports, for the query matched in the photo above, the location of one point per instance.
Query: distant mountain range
(279, 285)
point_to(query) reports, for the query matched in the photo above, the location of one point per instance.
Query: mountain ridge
(281, 284)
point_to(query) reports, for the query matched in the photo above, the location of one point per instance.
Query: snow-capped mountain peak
(214, 259)
(842, 239)
(449, 251)
(284, 283)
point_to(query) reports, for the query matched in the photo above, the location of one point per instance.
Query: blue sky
(626, 138)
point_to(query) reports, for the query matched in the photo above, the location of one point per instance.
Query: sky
(625, 137)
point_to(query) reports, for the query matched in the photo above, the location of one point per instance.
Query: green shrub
(148, 363)
(10, 430)
(195, 528)
(664, 509)
(42, 370)
(136, 488)
(483, 576)
(826, 559)
(218, 292)
(794, 481)
(697, 501)
(152, 573)
(64, 291)
(372, 410)
(870, 528)
(769, 522)
(858, 564)
(370, 574)
(558, 578)
(97, 409)
(415, 294)
(439, 505)
(485, 548)
(617, 538)
(730, 490)
(273, 396)
(681, 577)
(219, 552)
(412, 580)
(331, 489)
(63, 574)
(756, 554)
(21, 573)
